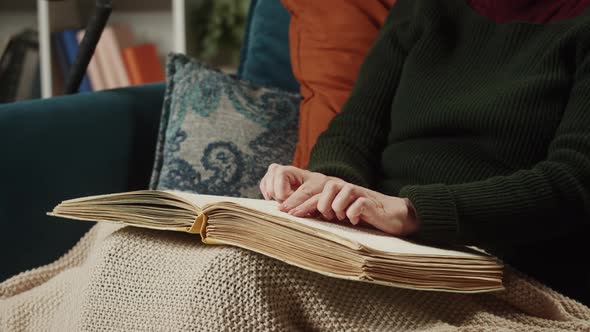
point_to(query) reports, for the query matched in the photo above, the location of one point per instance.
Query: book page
(366, 237)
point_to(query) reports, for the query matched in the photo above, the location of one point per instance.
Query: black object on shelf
(18, 65)
(88, 45)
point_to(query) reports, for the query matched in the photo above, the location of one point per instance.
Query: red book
(143, 64)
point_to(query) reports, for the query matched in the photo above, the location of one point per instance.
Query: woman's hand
(291, 185)
(341, 200)
(303, 193)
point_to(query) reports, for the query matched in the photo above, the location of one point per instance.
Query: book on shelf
(117, 61)
(66, 43)
(94, 68)
(334, 249)
(113, 39)
(143, 64)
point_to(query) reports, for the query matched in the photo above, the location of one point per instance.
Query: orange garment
(328, 42)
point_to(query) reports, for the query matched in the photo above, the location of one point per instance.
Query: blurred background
(39, 39)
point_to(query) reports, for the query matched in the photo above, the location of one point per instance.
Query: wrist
(412, 223)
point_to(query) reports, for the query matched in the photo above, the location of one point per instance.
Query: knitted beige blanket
(137, 280)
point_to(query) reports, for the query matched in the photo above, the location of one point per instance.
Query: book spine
(94, 66)
(143, 64)
(115, 72)
(70, 43)
(102, 51)
(60, 54)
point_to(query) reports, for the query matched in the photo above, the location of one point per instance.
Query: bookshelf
(162, 22)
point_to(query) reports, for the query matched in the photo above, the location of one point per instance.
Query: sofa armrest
(65, 147)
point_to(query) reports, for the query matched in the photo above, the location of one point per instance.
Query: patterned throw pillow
(218, 134)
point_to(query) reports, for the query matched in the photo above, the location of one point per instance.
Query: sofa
(101, 142)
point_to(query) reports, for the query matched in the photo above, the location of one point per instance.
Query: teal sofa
(65, 147)
(96, 143)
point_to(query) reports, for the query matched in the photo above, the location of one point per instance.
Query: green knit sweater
(485, 127)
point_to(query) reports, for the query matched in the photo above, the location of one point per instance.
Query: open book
(330, 248)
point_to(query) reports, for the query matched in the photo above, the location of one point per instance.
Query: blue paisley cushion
(218, 134)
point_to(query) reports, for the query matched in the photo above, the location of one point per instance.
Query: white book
(114, 38)
(94, 70)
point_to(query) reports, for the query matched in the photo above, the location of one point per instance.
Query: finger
(264, 182)
(282, 186)
(263, 186)
(263, 190)
(327, 196)
(361, 209)
(269, 181)
(343, 199)
(306, 208)
(286, 179)
(302, 194)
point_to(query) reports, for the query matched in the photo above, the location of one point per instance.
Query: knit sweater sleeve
(533, 204)
(351, 146)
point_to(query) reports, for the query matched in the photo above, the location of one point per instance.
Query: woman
(469, 124)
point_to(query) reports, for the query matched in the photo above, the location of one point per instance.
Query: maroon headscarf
(534, 11)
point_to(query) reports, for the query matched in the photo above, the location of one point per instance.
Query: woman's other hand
(290, 185)
(344, 201)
